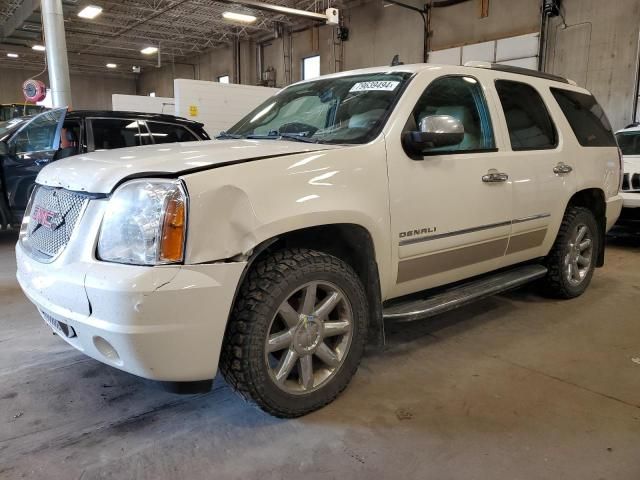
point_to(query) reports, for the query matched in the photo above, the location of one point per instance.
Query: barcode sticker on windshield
(379, 85)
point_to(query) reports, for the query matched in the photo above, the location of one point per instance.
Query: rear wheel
(297, 332)
(572, 259)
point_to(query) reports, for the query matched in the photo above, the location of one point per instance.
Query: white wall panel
(522, 46)
(531, 63)
(141, 103)
(450, 56)
(483, 52)
(520, 51)
(217, 105)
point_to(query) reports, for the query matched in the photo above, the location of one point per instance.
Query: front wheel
(297, 331)
(572, 259)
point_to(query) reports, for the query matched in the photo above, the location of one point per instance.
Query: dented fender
(234, 208)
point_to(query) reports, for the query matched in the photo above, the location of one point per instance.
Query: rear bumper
(162, 323)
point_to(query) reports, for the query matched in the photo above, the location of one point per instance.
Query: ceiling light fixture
(239, 17)
(12, 55)
(38, 48)
(90, 12)
(111, 65)
(149, 50)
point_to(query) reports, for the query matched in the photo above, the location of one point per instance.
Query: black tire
(269, 283)
(557, 283)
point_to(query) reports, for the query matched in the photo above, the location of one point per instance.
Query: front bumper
(630, 199)
(613, 208)
(162, 323)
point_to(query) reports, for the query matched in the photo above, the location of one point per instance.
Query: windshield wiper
(225, 136)
(283, 136)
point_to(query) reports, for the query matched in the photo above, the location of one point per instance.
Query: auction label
(378, 85)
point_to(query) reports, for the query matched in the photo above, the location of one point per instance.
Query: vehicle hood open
(100, 172)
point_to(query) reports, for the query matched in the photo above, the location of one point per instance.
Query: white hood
(99, 172)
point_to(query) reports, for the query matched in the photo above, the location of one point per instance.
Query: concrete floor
(514, 387)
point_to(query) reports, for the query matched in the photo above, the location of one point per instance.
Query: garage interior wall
(598, 48)
(592, 49)
(87, 91)
(377, 32)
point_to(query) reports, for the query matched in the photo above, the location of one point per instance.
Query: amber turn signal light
(173, 230)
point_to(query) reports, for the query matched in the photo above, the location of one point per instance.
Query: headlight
(145, 223)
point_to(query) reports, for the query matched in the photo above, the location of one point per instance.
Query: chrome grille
(52, 217)
(631, 182)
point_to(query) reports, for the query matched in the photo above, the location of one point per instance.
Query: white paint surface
(143, 103)
(217, 105)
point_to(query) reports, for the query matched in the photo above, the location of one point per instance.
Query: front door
(451, 209)
(29, 150)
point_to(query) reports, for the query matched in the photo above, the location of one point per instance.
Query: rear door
(162, 132)
(538, 152)
(112, 133)
(29, 150)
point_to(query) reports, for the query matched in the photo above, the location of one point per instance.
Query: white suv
(629, 141)
(276, 251)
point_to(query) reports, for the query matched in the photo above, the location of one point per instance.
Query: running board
(462, 294)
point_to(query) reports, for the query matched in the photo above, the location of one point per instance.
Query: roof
(468, 69)
(161, 117)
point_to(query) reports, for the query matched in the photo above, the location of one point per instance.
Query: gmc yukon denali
(277, 251)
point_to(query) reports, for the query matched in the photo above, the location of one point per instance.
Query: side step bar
(462, 294)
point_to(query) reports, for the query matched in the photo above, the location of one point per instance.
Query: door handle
(562, 168)
(494, 176)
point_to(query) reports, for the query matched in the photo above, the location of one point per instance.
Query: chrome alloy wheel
(577, 261)
(309, 337)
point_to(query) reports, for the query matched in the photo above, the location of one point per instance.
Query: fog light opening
(107, 350)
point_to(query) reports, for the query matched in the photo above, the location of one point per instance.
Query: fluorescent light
(12, 55)
(90, 12)
(239, 17)
(149, 50)
(111, 65)
(38, 48)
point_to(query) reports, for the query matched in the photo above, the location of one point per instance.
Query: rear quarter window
(586, 118)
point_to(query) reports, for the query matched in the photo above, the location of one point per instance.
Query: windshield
(629, 142)
(349, 109)
(10, 126)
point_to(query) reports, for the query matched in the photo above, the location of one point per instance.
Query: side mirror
(435, 131)
(4, 148)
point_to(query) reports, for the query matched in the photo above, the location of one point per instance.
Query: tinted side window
(586, 117)
(167, 133)
(110, 133)
(461, 98)
(629, 142)
(528, 121)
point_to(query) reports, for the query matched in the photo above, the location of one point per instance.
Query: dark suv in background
(14, 110)
(27, 144)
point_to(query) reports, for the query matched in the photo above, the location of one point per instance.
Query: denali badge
(47, 218)
(418, 232)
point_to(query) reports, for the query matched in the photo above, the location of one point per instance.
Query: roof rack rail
(519, 70)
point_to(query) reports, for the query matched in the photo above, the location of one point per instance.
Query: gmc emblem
(47, 218)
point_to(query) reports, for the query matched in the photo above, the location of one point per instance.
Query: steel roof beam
(19, 16)
(269, 7)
